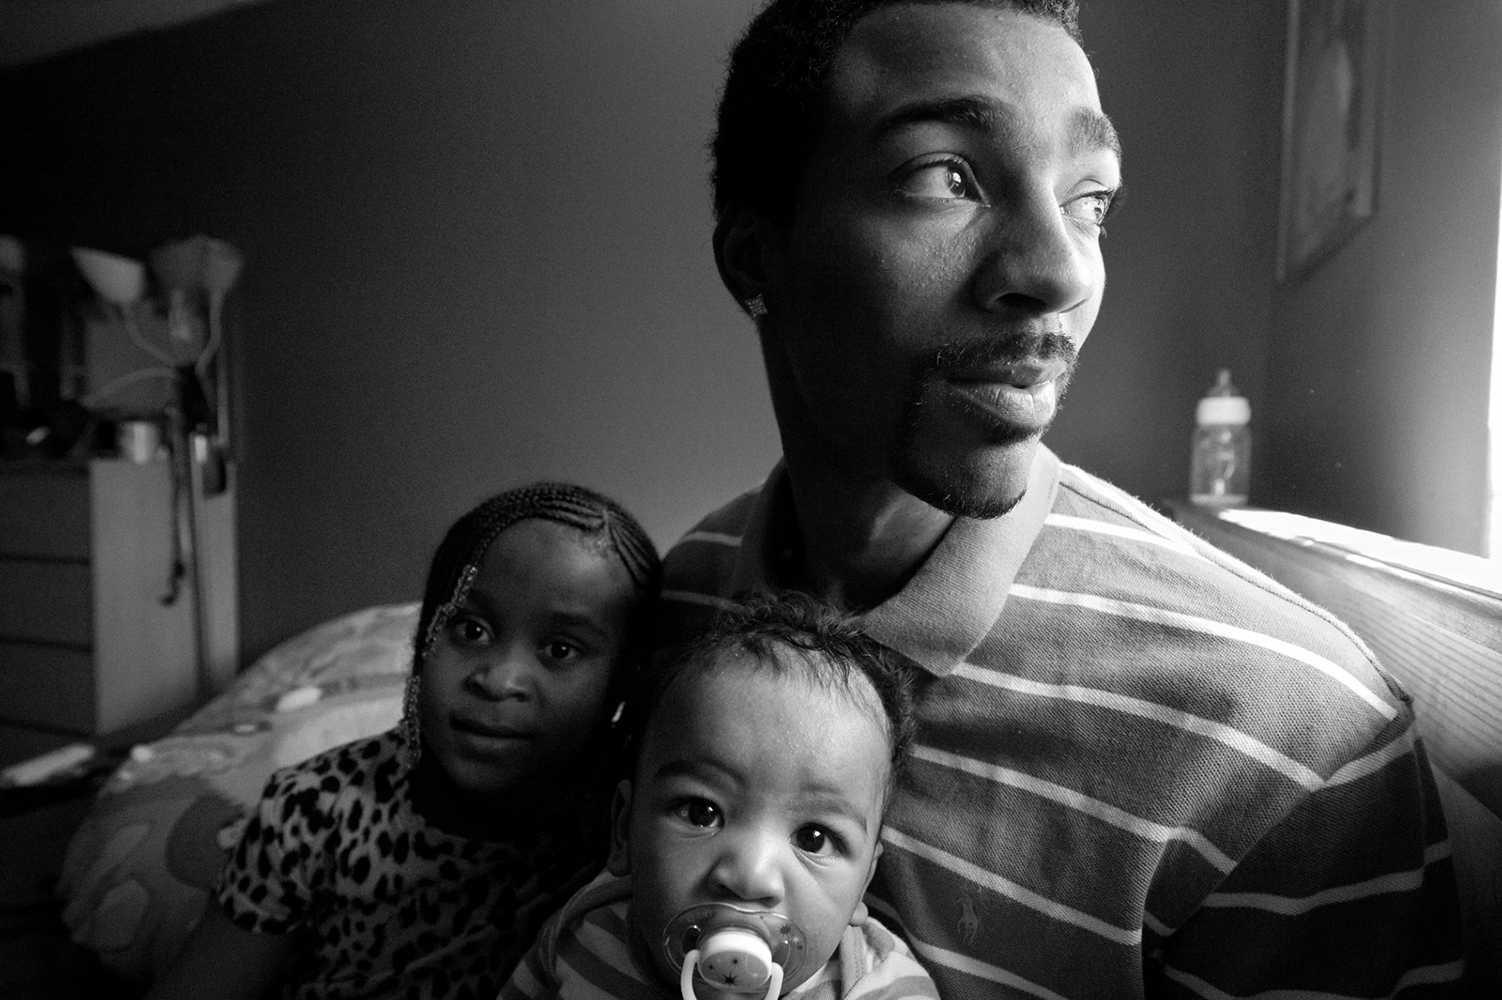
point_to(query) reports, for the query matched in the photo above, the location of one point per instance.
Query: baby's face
(761, 791)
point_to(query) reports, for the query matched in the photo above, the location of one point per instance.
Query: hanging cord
(139, 339)
(129, 378)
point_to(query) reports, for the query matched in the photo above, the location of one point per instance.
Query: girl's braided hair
(458, 557)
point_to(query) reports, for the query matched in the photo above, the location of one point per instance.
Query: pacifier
(735, 950)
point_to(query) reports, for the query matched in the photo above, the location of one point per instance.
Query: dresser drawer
(47, 686)
(44, 512)
(86, 556)
(47, 602)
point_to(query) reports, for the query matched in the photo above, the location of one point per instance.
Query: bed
(138, 870)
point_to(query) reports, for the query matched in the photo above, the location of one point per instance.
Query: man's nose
(1036, 262)
(749, 868)
(508, 674)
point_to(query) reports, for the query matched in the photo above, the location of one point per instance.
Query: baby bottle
(1221, 449)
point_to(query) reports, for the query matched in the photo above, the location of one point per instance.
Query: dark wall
(477, 253)
(1194, 90)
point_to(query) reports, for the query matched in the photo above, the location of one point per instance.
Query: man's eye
(945, 180)
(814, 840)
(1093, 208)
(699, 812)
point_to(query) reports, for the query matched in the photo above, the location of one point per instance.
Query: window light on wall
(1494, 422)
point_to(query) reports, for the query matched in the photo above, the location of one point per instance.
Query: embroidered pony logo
(969, 922)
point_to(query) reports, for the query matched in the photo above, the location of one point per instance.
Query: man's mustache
(1020, 346)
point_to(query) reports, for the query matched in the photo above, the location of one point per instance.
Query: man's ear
(619, 861)
(741, 246)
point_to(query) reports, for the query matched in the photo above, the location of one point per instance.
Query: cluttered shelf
(118, 600)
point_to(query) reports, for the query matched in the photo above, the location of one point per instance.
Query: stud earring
(756, 306)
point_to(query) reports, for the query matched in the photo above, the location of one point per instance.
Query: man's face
(943, 263)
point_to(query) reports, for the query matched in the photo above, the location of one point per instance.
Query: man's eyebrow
(975, 113)
(1092, 130)
(1088, 129)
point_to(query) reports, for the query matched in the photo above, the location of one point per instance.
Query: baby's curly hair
(826, 645)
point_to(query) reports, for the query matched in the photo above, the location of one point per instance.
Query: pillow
(139, 869)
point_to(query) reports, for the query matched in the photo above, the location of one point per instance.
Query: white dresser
(87, 646)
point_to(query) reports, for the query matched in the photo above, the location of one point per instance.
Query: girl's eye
(945, 180)
(814, 840)
(559, 651)
(699, 812)
(469, 631)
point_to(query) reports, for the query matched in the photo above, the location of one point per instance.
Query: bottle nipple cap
(733, 949)
(1223, 404)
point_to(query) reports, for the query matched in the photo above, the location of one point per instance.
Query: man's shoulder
(1104, 552)
(698, 568)
(717, 532)
(1105, 539)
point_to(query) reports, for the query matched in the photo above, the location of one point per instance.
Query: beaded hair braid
(457, 560)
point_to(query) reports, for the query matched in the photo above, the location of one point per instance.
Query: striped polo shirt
(1142, 768)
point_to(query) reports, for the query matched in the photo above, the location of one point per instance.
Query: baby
(742, 845)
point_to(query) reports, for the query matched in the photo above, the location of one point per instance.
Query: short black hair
(826, 645)
(768, 110)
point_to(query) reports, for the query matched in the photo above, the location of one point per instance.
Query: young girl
(421, 862)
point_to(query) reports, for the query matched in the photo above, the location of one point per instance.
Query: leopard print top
(389, 905)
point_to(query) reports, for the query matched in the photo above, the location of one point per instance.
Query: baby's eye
(815, 840)
(699, 812)
(946, 180)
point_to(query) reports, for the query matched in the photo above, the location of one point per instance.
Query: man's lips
(1020, 374)
(1019, 395)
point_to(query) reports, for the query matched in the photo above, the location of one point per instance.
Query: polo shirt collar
(955, 598)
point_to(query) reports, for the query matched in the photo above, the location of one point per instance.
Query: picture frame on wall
(1331, 102)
